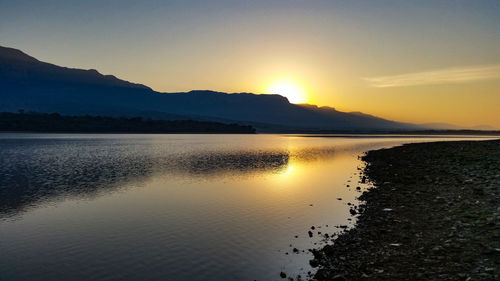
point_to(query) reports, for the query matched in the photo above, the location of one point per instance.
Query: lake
(174, 207)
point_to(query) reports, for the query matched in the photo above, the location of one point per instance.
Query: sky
(411, 61)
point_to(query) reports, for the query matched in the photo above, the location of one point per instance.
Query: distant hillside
(446, 126)
(35, 122)
(32, 85)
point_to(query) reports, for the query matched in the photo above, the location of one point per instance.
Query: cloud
(440, 76)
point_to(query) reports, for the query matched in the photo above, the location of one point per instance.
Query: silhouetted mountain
(32, 85)
(482, 127)
(440, 126)
(447, 126)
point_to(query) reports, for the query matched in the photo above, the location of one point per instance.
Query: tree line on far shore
(54, 122)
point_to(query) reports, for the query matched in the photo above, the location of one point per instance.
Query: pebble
(314, 262)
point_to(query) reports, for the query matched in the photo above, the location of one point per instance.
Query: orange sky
(431, 61)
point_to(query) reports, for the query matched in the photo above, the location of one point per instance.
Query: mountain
(440, 126)
(482, 128)
(32, 85)
(447, 126)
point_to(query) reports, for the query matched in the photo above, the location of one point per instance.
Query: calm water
(172, 207)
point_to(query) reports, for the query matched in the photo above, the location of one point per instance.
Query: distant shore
(56, 123)
(376, 133)
(434, 215)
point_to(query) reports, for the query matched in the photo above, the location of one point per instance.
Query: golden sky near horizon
(431, 61)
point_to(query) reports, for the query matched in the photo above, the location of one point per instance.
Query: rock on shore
(434, 215)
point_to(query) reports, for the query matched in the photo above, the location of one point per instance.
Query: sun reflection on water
(288, 172)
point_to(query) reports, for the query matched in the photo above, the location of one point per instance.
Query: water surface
(172, 207)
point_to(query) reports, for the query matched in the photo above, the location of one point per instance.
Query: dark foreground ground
(435, 215)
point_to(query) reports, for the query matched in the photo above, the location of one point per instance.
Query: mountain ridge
(33, 85)
(448, 126)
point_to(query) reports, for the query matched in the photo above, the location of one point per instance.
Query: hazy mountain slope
(447, 126)
(440, 126)
(32, 85)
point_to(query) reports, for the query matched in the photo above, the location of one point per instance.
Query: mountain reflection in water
(37, 170)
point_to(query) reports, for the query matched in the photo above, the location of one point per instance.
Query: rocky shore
(434, 214)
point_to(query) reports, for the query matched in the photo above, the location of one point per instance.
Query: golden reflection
(288, 171)
(290, 177)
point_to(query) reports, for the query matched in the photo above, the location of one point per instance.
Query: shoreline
(434, 215)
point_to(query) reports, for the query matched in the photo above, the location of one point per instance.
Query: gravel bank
(434, 215)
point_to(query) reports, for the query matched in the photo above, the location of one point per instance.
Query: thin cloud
(441, 76)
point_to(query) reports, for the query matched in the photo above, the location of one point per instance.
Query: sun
(289, 89)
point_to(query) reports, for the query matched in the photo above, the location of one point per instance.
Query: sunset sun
(289, 89)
